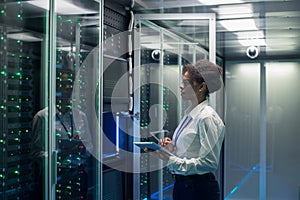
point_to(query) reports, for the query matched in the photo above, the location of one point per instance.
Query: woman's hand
(167, 144)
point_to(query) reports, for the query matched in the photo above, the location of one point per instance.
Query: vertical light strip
(160, 112)
(212, 38)
(44, 99)
(263, 134)
(179, 104)
(212, 52)
(52, 102)
(117, 132)
(99, 146)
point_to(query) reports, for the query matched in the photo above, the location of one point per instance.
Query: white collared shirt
(198, 140)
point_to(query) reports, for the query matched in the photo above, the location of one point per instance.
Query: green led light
(2, 107)
(19, 16)
(1, 175)
(1, 141)
(19, 2)
(1, 38)
(59, 17)
(3, 73)
(58, 135)
(16, 139)
(2, 11)
(18, 41)
(68, 20)
(16, 172)
(13, 55)
(69, 187)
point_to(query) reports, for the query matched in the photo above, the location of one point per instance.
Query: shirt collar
(195, 111)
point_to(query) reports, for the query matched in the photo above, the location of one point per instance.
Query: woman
(197, 141)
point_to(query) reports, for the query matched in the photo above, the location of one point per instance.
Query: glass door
(77, 37)
(24, 85)
(163, 44)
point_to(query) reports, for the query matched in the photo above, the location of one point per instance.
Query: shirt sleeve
(211, 137)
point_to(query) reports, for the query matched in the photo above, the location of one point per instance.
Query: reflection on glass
(24, 107)
(77, 36)
(162, 56)
(21, 58)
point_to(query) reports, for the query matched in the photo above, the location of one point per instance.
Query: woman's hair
(205, 71)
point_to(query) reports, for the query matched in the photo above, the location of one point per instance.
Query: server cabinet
(49, 136)
(23, 47)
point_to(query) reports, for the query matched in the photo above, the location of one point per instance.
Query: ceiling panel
(276, 22)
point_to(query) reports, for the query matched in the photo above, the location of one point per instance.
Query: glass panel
(242, 152)
(151, 53)
(23, 54)
(77, 63)
(162, 53)
(283, 113)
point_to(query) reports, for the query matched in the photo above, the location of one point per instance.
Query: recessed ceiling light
(219, 2)
(239, 24)
(63, 7)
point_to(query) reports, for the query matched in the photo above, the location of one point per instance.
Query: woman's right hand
(167, 144)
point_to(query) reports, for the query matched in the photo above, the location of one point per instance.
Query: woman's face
(187, 91)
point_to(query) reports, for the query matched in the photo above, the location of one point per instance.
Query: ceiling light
(253, 42)
(219, 2)
(252, 38)
(250, 35)
(239, 24)
(234, 11)
(63, 7)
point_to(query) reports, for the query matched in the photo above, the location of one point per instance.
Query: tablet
(152, 146)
